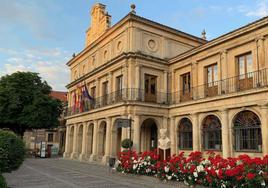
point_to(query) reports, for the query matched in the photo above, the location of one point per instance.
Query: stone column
(261, 52)
(172, 133)
(196, 133)
(136, 136)
(67, 140)
(82, 156)
(125, 81)
(225, 134)
(75, 140)
(107, 154)
(94, 154)
(165, 87)
(137, 75)
(264, 128)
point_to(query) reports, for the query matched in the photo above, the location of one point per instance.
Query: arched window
(247, 131)
(185, 134)
(212, 133)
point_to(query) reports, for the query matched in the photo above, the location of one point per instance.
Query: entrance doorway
(149, 138)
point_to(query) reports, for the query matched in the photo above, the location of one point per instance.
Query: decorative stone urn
(163, 145)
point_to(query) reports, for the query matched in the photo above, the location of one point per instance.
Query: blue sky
(41, 36)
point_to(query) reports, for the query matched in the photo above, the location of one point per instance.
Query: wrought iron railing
(253, 80)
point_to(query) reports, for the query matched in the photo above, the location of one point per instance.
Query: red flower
(250, 176)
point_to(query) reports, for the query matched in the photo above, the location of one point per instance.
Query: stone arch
(116, 138)
(80, 138)
(102, 138)
(71, 139)
(149, 134)
(211, 132)
(234, 114)
(89, 140)
(247, 131)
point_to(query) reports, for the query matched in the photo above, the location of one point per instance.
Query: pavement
(61, 173)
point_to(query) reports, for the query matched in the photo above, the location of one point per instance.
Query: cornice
(221, 39)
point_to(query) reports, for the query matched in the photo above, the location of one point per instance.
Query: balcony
(253, 80)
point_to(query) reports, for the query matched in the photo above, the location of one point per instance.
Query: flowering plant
(213, 171)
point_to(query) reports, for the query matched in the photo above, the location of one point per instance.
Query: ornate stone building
(210, 95)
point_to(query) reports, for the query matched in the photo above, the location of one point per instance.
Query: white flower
(135, 166)
(166, 169)
(145, 163)
(148, 170)
(168, 177)
(200, 168)
(195, 174)
(263, 183)
(260, 172)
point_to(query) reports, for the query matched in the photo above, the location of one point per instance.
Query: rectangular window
(245, 66)
(212, 75)
(119, 83)
(104, 88)
(93, 92)
(186, 82)
(50, 137)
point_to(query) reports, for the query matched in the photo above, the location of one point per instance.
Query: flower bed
(213, 171)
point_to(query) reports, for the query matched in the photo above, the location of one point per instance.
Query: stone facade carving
(100, 22)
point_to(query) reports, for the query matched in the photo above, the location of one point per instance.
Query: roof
(132, 16)
(227, 36)
(62, 96)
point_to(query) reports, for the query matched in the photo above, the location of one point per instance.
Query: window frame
(185, 134)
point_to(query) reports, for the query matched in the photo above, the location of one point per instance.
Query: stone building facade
(210, 95)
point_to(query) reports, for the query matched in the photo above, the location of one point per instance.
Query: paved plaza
(60, 173)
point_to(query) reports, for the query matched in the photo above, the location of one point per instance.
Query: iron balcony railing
(253, 80)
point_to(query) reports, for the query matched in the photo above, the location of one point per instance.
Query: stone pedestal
(164, 154)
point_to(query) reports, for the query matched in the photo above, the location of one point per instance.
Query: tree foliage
(25, 103)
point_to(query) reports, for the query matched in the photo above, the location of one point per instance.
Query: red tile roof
(62, 96)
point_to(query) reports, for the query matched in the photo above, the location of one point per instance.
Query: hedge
(12, 151)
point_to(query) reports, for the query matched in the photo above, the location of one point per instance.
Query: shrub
(12, 151)
(127, 143)
(3, 183)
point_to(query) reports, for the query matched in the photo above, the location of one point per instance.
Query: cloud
(49, 63)
(260, 10)
(24, 14)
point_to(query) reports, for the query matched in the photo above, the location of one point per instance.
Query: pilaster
(225, 134)
(264, 127)
(136, 136)
(196, 132)
(67, 144)
(82, 156)
(75, 142)
(93, 156)
(107, 154)
(172, 133)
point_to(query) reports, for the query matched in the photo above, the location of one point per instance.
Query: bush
(12, 151)
(127, 143)
(3, 183)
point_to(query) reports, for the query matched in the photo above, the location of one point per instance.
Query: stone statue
(163, 141)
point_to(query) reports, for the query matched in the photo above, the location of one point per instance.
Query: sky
(41, 36)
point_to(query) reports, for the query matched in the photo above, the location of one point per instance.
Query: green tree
(25, 103)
